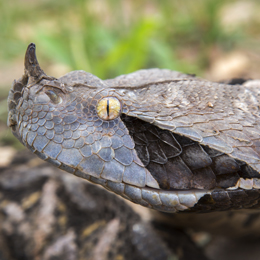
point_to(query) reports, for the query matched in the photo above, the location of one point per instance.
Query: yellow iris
(108, 108)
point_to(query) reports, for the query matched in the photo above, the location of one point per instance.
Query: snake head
(153, 136)
(74, 123)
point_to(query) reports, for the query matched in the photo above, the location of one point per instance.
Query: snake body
(179, 143)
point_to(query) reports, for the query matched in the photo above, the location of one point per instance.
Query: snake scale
(159, 138)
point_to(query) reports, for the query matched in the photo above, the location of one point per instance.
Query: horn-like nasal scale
(31, 66)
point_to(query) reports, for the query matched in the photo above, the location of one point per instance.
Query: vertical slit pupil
(107, 107)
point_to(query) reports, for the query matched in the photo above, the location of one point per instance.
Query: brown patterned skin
(179, 144)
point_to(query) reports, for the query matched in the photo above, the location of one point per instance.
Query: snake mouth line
(172, 201)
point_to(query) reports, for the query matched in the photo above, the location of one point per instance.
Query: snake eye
(53, 96)
(108, 108)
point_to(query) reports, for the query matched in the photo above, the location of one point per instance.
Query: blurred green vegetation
(108, 38)
(113, 37)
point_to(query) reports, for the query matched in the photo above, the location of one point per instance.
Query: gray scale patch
(85, 133)
(58, 138)
(66, 127)
(49, 125)
(124, 155)
(188, 132)
(57, 120)
(95, 118)
(106, 141)
(25, 105)
(97, 136)
(55, 112)
(117, 142)
(70, 108)
(82, 127)
(71, 157)
(45, 108)
(169, 199)
(116, 187)
(25, 118)
(53, 162)
(98, 122)
(30, 137)
(59, 129)
(86, 151)
(76, 135)
(135, 175)
(121, 125)
(40, 155)
(28, 112)
(133, 192)
(67, 168)
(217, 144)
(128, 142)
(82, 175)
(52, 150)
(67, 134)
(42, 99)
(98, 181)
(111, 124)
(92, 166)
(50, 134)
(151, 197)
(37, 108)
(30, 103)
(25, 131)
(113, 171)
(34, 127)
(144, 204)
(89, 123)
(107, 154)
(187, 199)
(91, 129)
(41, 130)
(35, 120)
(70, 119)
(96, 147)
(81, 121)
(40, 142)
(99, 129)
(68, 143)
(79, 143)
(35, 115)
(105, 125)
(41, 122)
(49, 116)
(120, 132)
(20, 130)
(42, 114)
(89, 139)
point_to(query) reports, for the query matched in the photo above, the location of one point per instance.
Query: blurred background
(216, 40)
